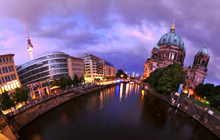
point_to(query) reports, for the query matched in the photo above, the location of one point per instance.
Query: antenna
(29, 46)
(27, 29)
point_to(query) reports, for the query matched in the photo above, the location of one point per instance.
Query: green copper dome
(172, 38)
(204, 51)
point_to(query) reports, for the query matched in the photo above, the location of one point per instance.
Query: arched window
(164, 40)
(203, 63)
(155, 56)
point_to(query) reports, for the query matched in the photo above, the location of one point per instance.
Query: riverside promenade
(196, 112)
(14, 121)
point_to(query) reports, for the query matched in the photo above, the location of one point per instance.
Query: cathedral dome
(172, 38)
(204, 51)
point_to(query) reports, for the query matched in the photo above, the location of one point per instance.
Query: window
(0, 82)
(0, 71)
(164, 40)
(11, 68)
(5, 69)
(3, 59)
(3, 80)
(10, 59)
(7, 78)
(13, 77)
(6, 59)
(0, 60)
(171, 56)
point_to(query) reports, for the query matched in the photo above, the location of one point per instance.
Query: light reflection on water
(120, 112)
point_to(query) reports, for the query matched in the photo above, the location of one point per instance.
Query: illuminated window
(12, 87)
(9, 88)
(6, 88)
(17, 84)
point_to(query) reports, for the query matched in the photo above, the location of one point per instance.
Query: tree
(217, 90)
(215, 102)
(62, 82)
(75, 80)
(120, 74)
(6, 101)
(166, 80)
(55, 82)
(82, 79)
(69, 81)
(20, 95)
(205, 91)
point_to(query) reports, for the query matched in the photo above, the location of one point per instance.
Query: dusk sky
(122, 32)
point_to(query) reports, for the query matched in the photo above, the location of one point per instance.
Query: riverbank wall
(35, 109)
(196, 112)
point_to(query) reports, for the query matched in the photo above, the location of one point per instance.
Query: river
(118, 112)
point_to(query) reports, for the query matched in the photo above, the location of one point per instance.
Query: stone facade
(75, 66)
(8, 74)
(170, 49)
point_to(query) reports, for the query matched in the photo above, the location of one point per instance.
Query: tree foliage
(120, 74)
(76, 80)
(215, 102)
(62, 82)
(217, 90)
(69, 81)
(55, 82)
(20, 95)
(205, 91)
(82, 79)
(166, 80)
(6, 102)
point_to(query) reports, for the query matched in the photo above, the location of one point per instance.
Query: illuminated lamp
(185, 91)
(33, 97)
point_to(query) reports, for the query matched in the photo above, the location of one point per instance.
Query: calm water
(119, 112)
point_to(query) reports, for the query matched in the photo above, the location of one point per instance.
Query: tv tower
(29, 45)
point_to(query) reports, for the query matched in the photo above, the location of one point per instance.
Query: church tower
(201, 60)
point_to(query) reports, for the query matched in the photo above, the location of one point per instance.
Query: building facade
(96, 68)
(93, 67)
(43, 68)
(8, 75)
(109, 69)
(75, 66)
(170, 49)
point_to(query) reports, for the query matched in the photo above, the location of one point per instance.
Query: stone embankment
(211, 122)
(18, 119)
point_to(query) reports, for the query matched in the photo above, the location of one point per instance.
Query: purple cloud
(120, 31)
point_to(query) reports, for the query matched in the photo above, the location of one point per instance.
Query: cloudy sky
(121, 31)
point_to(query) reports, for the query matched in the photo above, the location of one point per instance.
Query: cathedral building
(170, 49)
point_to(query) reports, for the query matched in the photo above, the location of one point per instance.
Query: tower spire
(27, 29)
(29, 45)
(173, 26)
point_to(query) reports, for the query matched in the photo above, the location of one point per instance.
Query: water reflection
(120, 112)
